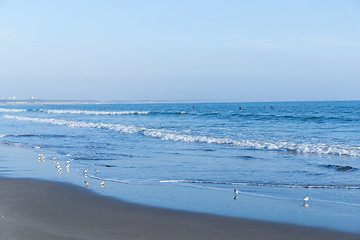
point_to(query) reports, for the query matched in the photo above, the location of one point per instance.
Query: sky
(198, 50)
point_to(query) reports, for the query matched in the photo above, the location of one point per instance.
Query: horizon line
(69, 101)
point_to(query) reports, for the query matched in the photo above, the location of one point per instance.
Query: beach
(179, 120)
(171, 171)
(33, 209)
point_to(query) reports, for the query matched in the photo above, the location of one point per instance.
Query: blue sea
(193, 156)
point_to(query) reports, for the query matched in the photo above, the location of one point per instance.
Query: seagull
(97, 170)
(85, 171)
(306, 199)
(67, 165)
(86, 184)
(41, 158)
(236, 191)
(68, 161)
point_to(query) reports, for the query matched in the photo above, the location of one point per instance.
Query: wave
(259, 184)
(340, 168)
(294, 117)
(167, 135)
(242, 192)
(115, 127)
(234, 184)
(12, 110)
(94, 112)
(36, 135)
(110, 112)
(261, 116)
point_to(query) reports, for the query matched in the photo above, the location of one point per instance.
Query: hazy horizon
(144, 101)
(238, 51)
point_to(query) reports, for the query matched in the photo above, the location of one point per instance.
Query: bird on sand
(306, 199)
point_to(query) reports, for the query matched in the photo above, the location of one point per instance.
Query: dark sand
(32, 209)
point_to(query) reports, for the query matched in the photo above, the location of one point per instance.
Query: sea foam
(12, 110)
(94, 112)
(167, 135)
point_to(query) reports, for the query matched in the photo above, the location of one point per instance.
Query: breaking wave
(12, 110)
(259, 184)
(94, 112)
(167, 135)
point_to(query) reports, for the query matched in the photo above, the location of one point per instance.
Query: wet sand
(33, 209)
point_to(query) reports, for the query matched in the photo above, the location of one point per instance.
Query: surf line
(167, 135)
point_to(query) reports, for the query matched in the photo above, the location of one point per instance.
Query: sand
(34, 209)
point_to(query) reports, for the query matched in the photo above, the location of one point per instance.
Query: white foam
(94, 112)
(193, 184)
(12, 110)
(167, 135)
(258, 184)
(115, 127)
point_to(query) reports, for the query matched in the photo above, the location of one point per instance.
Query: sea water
(192, 156)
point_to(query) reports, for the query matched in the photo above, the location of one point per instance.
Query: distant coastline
(46, 101)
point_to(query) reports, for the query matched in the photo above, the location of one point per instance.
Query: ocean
(193, 156)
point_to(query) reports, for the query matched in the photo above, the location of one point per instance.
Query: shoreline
(20, 164)
(37, 209)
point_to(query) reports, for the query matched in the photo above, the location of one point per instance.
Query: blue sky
(253, 50)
